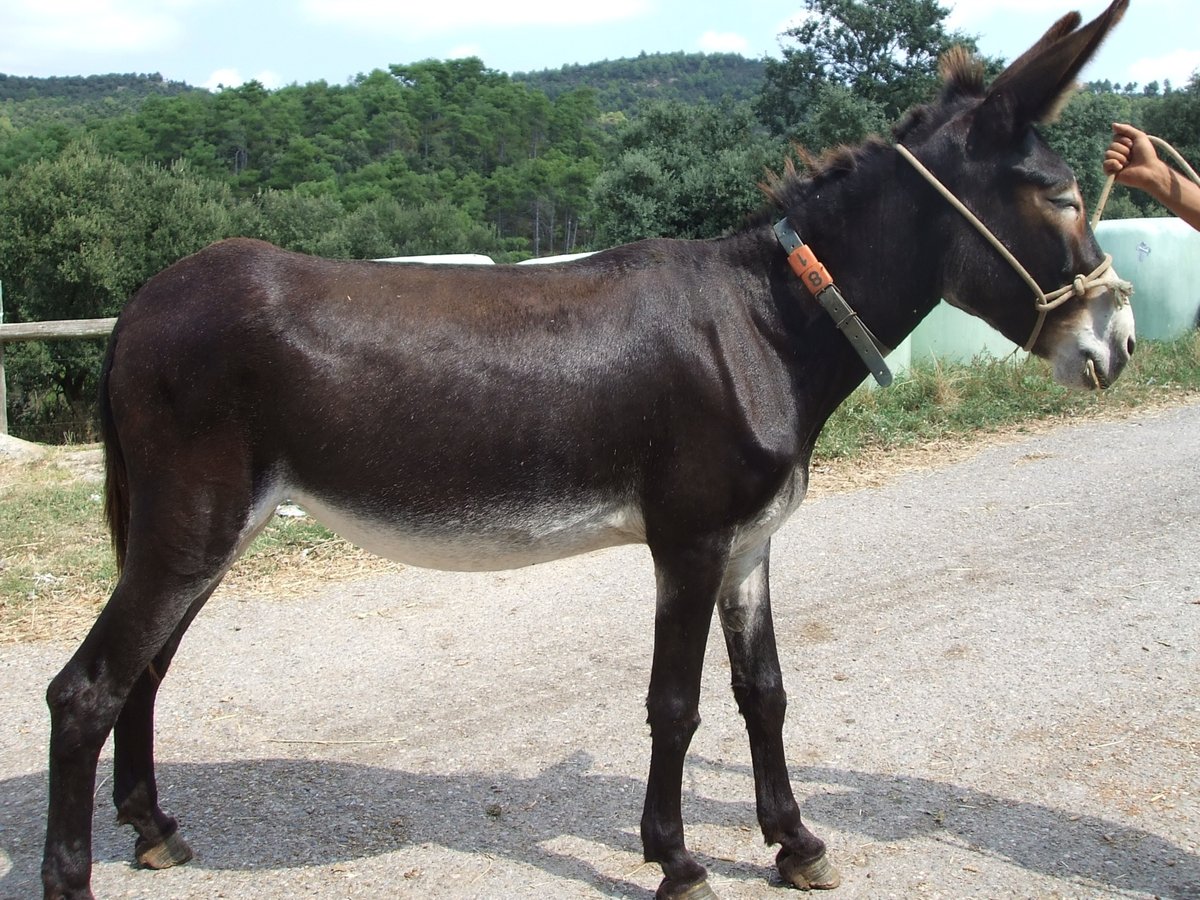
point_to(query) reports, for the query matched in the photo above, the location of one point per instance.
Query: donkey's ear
(1034, 87)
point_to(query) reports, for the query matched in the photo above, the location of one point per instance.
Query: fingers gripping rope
(1108, 182)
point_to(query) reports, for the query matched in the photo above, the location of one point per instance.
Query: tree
(300, 161)
(840, 116)
(626, 84)
(386, 228)
(78, 234)
(27, 145)
(1175, 118)
(291, 219)
(440, 97)
(683, 171)
(883, 53)
(634, 198)
(385, 114)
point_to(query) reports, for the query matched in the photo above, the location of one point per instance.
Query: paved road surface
(994, 681)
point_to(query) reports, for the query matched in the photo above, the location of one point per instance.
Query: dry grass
(57, 569)
(54, 559)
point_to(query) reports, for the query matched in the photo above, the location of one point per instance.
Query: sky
(215, 43)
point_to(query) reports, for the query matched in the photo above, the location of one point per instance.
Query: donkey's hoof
(818, 875)
(696, 891)
(171, 851)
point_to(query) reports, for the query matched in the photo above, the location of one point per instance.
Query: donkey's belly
(505, 536)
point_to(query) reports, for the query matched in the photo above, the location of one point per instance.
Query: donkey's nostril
(1130, 344)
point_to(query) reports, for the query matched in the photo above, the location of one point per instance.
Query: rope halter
(1100, 277)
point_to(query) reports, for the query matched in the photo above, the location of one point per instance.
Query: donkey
(474, 418)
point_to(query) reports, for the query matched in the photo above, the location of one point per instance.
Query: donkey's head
(981, 144)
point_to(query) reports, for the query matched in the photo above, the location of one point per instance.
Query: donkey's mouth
(1093, 377)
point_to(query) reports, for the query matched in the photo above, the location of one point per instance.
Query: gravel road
(995, 692)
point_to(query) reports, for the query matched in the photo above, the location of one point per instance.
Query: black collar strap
(820, 285)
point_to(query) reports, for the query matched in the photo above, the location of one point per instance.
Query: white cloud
(964, 13)
(223, 78)
(462, 51)
(795, 20)
(229, 78)
(87, 26)
(1178, 66)
(723, 42)
(426, 18)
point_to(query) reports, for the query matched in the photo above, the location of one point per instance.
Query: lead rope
(1161, 145)
(1043, 302)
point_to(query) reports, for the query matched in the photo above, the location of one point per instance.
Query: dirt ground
(995, 692)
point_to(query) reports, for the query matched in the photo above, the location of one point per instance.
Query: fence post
(3, 381)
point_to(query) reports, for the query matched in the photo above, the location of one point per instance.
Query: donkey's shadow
(321, 812)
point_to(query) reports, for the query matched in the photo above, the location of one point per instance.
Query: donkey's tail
(116, 476)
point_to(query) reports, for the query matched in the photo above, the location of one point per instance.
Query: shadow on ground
(321, 812)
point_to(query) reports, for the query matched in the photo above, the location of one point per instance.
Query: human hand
(1132, 159)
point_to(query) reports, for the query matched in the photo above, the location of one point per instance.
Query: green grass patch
(933, 402)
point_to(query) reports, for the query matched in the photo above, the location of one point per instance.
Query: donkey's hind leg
(85, 700)
(135, 790)
(181, 541)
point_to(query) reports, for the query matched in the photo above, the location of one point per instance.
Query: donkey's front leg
(688, 582)
(745, 609)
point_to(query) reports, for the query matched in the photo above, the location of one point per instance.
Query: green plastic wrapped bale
(1162, 259)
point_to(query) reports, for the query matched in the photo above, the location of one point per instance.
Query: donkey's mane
(789, 188)
(962, 82)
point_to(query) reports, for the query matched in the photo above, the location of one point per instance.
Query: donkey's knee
(762, 702)
(672, 720)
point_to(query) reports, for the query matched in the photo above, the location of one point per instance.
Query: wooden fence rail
(66, 329)
(94, 328)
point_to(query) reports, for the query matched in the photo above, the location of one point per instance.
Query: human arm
(1132, 159)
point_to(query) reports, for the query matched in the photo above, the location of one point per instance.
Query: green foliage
(880, 56)
(682, 171)
(78, 234)
(625, 85)
(21, 146)
(291, 218)
(27, 101)
(385, 228)
(840, 116)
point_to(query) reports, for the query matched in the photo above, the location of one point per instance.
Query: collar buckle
(816, 278)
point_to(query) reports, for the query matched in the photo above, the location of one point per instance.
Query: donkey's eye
(1066, 201)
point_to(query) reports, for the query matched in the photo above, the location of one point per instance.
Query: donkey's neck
(868, 227)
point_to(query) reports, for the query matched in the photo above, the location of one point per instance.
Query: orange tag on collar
(809, 269)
